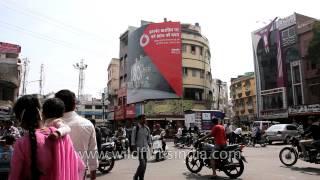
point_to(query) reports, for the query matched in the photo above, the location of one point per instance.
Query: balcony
(250, 106)
(239, 92)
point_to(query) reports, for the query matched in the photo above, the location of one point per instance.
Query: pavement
(263, 164)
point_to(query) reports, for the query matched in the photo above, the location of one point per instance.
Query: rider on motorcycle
(313, 131)
(121, 136)
(159, 131)
(218, 133)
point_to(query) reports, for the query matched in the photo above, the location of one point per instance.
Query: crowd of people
(51, 139)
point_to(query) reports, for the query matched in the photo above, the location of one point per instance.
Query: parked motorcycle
(107, 157)
(248, 141)
(290, 155)
(157, 149)
(230, 161)
(185, 140)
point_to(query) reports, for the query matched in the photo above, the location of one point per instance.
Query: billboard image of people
(154, 62)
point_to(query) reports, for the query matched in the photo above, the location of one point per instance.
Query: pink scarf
(69, 165)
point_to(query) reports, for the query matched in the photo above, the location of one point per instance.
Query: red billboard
(9, 48)
(155, 62)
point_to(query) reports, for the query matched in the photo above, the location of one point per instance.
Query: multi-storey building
(220, 95)
(243, 95)
(113, 86)
(10, 77)
(195, 72)
(288, 83)
(93, 109)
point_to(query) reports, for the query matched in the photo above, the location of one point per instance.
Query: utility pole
(25, 75)
(103, 107)
(81, 67)
(41, 81)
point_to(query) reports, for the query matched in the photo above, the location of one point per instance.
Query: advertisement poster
(155, 62)
(206, 120)
(9, 48)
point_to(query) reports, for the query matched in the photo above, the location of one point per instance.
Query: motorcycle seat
(231, 147)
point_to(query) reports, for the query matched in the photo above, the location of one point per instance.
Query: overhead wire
(20, 29)
(50, 20)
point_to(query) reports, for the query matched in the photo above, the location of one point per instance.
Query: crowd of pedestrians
(52, 138)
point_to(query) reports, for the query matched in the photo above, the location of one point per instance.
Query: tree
(314, 45)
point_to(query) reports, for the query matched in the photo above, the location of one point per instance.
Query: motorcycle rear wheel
(194, 163)
(285, 156)
(232, 166)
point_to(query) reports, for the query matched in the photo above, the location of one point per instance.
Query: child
(53, 110)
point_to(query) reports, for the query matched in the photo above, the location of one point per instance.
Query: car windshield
(276, 128)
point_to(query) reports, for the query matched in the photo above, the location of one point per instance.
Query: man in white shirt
(82, 133)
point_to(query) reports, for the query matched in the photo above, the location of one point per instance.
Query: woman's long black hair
(27, 111)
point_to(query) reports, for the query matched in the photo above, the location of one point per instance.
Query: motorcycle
(185, 140)
(248, 141)
(230, 161)
(290, 155)
(107, 157)
(120, 149)
(157, 149)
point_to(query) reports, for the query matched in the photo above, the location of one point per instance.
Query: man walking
(82, 134)
(141, 140)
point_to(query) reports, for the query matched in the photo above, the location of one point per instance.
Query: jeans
(142, 166)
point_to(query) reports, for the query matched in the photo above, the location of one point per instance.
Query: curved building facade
(196, 56)
(164, 69)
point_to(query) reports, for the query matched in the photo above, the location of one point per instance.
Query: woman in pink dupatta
(35, 156)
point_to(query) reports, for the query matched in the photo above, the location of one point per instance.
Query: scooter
(157, 150)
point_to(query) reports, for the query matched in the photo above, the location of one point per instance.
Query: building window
(202, 74)
(88, 106)
(194, 73)
(185, 71)
(98, 116)
(296, 74)
(120, 101)
(184, 48)
(98, 107)
(88, 116)
(298, 94)
(193, 49)
(288, 36)
(201, 51)
(193, 94)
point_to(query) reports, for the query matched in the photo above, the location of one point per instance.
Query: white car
(281, 132)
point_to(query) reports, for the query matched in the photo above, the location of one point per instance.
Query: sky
(60, 33)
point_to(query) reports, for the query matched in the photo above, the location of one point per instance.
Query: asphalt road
(263, 164)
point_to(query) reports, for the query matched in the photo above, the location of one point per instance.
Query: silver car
(281, 132)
